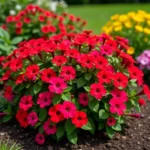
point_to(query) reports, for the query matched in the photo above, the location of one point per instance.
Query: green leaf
(69, 127)
(8, 110)
(66, 96)
(56, 99)
(7, 118)
(60, 131)
(103, 114)
(88, 76)
(41, 130)
(94, 105)
(68, 89)
(81, 82)
(117, 127)
(42, 114)
(72, 137)
(110, 132)
(101, 125)
(36, 88)
(87, 88)
(106, 106)
(90, 126)
(16, 40)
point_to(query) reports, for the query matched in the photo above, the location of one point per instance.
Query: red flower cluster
(40, 22)
(68, 79)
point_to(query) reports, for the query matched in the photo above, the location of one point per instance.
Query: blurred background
(96, 12)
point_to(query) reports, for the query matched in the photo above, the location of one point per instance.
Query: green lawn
(98, 15)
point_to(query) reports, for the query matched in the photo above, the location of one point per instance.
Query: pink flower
(57, 85)
(111, 121)
(40, 139)
(68, 109)
(32, 118)
(83, 99)
(45, 99)
(49, 128)
(68, 72)
(26, 102)
(117, 106)
(120, 94)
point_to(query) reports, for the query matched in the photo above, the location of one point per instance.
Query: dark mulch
(136, 136)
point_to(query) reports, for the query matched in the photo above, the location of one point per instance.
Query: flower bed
(71, 82)
(34, 22)
(134, 26)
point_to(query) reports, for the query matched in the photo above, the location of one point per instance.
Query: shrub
(135, 26)
(34, 22)
(71, 82)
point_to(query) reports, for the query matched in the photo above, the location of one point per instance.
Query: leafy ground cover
(98, 15)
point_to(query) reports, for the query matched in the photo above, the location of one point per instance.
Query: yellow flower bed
(135, 26)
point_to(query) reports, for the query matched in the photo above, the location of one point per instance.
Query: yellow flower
(118, 28)
(116, 23)
(138, 28)
(146, 30)
(128, 24)
(138, 18)
(114, 17)
(148, 22)
(123, 18)
(130, 50)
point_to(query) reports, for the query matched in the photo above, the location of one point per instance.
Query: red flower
(56, 115)
(111, 121)
(18, 30)
(147, 91)
(6, 75)
(45, 29)
(59, 60)
(49, 127)
(104, 76)
(27, 20)
(32, 71)
(8, 93)
(86, 61)
(141, 102)
(83, 99)
(19, 25)
(15, 64)
(47, 74)
(80, 119)
(20, 79)
(97, 90)
(40, 139)
(21, 117)
(68, 72)
(41, 18)
(10, 19)
(100, 62)
(52, 29)
(117, 106)
(73, 53)
(137, 74)
(120, 80)
(26, 102)
(45, 99)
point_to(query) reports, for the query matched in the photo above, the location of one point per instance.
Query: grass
(98, 15)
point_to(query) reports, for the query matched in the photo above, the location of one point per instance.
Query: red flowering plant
(34, 22)
(72, 82)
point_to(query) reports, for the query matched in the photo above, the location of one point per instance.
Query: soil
(136, 136)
